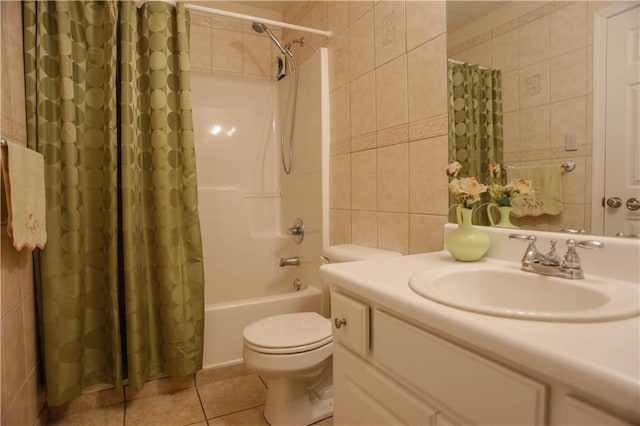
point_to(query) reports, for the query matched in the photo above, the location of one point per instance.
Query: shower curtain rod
(256, 19)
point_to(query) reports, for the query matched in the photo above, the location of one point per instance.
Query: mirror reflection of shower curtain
(475, 121)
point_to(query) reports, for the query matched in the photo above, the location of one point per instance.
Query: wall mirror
(552, 62)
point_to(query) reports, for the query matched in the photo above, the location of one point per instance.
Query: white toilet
(292, 354)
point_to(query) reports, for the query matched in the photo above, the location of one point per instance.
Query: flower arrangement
(504, 193)
(466, 190)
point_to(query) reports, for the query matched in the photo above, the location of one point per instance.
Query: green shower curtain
(475, 121)
(120, 283)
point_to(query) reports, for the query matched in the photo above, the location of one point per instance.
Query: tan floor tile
(160, 386)
(252, 416)
(325, 422)
(210, 375)
(231, 395)
(175, 408)
(112, 415)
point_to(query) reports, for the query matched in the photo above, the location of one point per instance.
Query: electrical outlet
(570, 142)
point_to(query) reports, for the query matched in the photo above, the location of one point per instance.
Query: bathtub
(224, 322)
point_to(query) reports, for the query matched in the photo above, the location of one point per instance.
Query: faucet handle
(522, 237)
(588, 244)
(571, 262)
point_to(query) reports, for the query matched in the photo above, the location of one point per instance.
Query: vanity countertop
(601, 359)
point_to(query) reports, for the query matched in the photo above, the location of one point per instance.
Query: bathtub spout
(289, 261)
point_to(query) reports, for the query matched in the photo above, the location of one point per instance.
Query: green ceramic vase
(504, 213)
(466, 244)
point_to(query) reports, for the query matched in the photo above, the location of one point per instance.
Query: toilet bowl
(292, 354)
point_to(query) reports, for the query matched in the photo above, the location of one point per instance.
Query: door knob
(633, 204)
(614, 202)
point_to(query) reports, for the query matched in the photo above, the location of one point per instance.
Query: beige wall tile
(364, 180)
(11, 274)
(427, 76)
(533, 40)
(511, 131)
(568, 118)
(504, 51)
(572, 217)
(339, 61)
(390, 31)
(364, 228)
(363, 105)
(427, 177)
(573, 183)
(534, 129)
(256, 55)
(339, 182)
(481, 54)
(337, 16)
(340, 105)
(361, 45)
(340, 229)
(358, 8)
(226, 51)
(568, 75)
(534, 85)
(391, 94)
(13, 356)
(426, 233)
(568, 28)
(30, 333)
(393, 232)
(426, 20)
(200, 45)
(589, 69)
(510, 91)
(17, 411)
(393, 178)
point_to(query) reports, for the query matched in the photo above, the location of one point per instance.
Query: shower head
(262, 28)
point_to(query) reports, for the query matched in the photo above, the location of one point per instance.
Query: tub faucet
(551, 264)
(289, 261)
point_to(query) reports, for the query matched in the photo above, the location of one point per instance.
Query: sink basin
(506, 291)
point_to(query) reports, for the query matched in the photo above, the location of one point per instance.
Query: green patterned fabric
(475, 120)
(120, 284)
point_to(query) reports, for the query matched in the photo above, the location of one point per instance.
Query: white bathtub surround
(583, 367)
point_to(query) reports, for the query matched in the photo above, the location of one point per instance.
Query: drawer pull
(339, 322)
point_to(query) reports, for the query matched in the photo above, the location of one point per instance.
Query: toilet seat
(288, 334)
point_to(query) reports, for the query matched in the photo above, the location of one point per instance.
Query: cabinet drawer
(353, 320)
(474, 388)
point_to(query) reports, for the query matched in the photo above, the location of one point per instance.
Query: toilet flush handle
(339, 322)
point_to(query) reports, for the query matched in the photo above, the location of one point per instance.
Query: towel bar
(567, 166)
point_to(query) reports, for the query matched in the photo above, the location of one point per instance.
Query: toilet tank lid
(353, 252)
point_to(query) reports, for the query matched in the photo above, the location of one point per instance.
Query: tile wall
(21, 388)
(388, 118)
(546, 60)
(229, 46)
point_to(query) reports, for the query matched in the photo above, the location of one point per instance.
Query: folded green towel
(547, 184)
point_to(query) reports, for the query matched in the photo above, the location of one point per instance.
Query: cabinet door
(364, 396)
(578, 413)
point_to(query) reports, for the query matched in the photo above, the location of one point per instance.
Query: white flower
(453, 169)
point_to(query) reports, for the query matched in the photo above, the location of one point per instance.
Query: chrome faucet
(289, 261)
(550, 263)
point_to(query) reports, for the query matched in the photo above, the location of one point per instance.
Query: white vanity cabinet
(388, 371)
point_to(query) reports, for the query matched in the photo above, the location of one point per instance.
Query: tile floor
(223, 397)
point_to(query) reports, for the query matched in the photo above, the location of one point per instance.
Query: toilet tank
(353, 252)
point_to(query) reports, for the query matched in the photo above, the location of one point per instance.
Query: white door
(622, 134)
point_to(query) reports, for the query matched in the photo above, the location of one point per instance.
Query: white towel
(23, 180)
